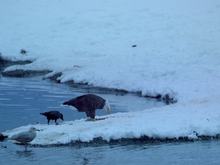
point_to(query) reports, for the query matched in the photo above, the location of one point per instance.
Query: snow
(165, 122)
(177, 53)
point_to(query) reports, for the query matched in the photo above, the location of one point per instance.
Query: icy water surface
(22, 99)
(190, 153)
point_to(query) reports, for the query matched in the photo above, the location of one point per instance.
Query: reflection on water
(22, 99)
(198, 152)
(25, 154)
(204, 152)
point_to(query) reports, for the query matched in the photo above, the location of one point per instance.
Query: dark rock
(53, 77)
(24, 73)
(2, 137)
(23, 51)
(5, 62)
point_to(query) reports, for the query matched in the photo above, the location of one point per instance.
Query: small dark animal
(23, 51)
(2, 137)
(89, 103)
(53, 115)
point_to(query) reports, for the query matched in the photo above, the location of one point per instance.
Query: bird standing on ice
(25, 137)
(89, 103)
(52, 115)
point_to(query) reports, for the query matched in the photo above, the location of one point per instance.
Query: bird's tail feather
(43, 114)
(66, 103)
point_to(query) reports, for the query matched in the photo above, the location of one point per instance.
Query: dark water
(22, 99)
(190, 153)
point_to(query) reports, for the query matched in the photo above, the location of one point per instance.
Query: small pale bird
(25, 137)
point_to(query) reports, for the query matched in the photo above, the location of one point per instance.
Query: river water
(22, 99)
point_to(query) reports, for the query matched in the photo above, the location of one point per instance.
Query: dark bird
(53, 115)
(89, 103)
(25, 137)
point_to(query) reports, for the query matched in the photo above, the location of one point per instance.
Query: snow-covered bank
(177, 49)
(157, 123)
(177, 53)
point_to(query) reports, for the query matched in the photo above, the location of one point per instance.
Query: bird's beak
(108, 111)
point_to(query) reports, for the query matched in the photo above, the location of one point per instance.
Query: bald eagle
(89, 103)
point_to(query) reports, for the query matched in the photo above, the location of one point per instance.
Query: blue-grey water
(22, 99)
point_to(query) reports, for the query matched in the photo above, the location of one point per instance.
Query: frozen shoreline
(177, 53)
(47, 74)
(156, 123)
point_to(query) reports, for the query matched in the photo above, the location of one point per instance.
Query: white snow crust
(177, 53)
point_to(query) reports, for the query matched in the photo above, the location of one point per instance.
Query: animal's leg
(48, 121)
(25, 144)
